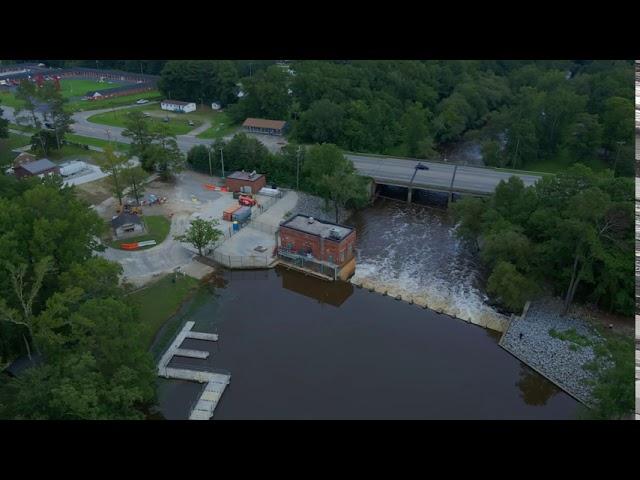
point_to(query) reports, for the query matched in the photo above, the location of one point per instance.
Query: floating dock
(216, 382)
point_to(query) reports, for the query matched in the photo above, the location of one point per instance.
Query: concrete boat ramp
(216, 382)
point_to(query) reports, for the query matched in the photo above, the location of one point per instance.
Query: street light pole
(615, 162)
(298, 169)
(222, 161)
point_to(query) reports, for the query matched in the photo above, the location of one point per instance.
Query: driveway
(142, 265)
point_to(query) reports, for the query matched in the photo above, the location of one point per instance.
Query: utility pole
(615, 163)
(210, 170)
(222, 161)
(298, 168)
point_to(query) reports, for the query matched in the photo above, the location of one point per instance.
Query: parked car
(142, 101)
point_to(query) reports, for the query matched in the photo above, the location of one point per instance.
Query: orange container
(228, 212)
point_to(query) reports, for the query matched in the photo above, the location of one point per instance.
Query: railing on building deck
(309, 263)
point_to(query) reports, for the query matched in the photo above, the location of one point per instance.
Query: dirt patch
(617, 323)
(95, 192)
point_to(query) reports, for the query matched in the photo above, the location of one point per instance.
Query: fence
(308, 263)
(239, 261)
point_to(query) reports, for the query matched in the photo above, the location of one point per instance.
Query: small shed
(127, 225)
(237, 180)
(22, 364)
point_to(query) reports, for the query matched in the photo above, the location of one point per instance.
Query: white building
(177, 106)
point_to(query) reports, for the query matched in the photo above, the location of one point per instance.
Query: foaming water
(412, 250)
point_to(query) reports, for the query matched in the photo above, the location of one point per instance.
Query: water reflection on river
(298, 348)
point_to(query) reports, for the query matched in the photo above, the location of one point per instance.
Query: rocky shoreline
(560, 360)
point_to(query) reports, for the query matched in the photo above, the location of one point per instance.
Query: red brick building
(325, 241)
(254, 180)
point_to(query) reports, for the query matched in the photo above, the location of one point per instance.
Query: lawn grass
(158, 302)
(97, 142)
(177, 125)
(22, 128)
(79, 87)
(73, 151)
(79, 105)
(8, 144)
(158, 227)
(221, 126)
(87, 105)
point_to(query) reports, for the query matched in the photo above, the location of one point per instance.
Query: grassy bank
(158, 302)
(221, 126)
(158, 227)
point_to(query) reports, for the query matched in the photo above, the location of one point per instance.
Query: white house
(177, 106)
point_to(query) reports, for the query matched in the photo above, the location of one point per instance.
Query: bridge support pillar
(409, 195)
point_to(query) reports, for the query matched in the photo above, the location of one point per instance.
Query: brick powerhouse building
(243, 179)
(325, 241)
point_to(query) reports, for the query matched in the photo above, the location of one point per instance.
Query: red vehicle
(246, 201)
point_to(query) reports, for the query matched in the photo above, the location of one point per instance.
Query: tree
(137, 128)
(512, 288)
(198, 158)
(321, 123)
(4, 126)
(26, 93)
(201, 233)
(25, 297)
(417, 139)
(115, 165)
(134, 178)
(333, 177)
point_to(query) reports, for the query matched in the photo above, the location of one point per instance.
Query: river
(301, 348)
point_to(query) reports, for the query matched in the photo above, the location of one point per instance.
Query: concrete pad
(197, 270)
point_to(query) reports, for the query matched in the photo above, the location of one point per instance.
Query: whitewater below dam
(412, 252)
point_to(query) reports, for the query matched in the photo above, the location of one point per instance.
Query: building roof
(245, 176)
(320, 228)
(21, 364)
(125, 218)
(22, 158)
(176, 102)
(38, 166)
(264, 123)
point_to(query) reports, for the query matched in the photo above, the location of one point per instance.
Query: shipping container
(270, 192)
(70, 168)
(242, 214)
(228, 212)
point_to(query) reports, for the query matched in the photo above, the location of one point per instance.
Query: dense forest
(523, 113)
(62, 304)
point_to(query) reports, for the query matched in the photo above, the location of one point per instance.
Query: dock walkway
(216, 382)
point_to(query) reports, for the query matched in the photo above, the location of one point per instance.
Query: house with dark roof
(38, 168)
(127, 225)
(21, 364)
(264, 126)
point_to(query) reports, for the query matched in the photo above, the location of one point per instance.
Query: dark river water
(301, 348)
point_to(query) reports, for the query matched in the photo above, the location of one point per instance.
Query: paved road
(384, 169)
(398, 171)
(82, 126)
